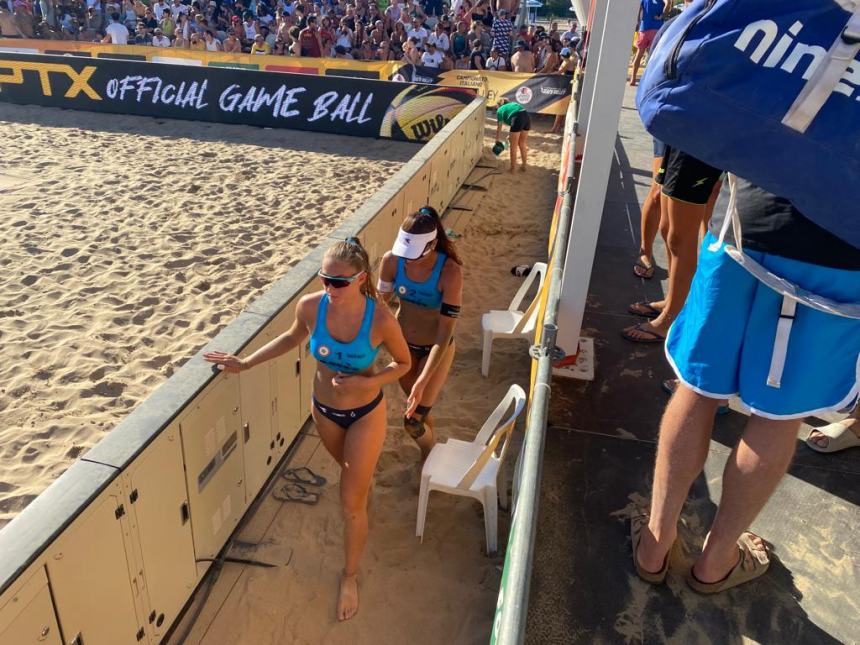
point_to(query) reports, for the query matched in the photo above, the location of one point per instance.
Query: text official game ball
(420, 111)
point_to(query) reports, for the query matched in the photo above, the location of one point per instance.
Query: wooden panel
(27, 615)
(212, 448)
(256, 411)
(90, 570)
(156, 482)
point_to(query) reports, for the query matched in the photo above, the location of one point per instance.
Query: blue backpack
(768, 90)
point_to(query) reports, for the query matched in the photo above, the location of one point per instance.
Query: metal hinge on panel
(120, 511)
(133, 497)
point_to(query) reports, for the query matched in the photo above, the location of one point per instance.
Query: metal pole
(511, 625)
(609, 78)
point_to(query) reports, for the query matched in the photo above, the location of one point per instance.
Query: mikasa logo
(791, 55)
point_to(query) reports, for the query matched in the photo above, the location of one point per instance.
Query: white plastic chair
(513, 323)
(472, 468)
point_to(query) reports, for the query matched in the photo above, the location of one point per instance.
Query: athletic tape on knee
(414, 427)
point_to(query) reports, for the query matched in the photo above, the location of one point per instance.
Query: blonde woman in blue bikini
(348, 403)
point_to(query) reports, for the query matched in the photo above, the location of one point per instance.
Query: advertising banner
(538, 93)
(291, 64)
(357, 107)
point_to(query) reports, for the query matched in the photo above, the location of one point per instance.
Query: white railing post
(606, 71)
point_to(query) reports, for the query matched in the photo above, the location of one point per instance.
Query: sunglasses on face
(337, 281)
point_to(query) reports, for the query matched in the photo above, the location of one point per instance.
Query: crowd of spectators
(468, 34)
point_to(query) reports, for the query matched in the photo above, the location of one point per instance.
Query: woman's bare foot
(523, 168)
(347, 602)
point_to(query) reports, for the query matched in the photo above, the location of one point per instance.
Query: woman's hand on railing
(226, 362)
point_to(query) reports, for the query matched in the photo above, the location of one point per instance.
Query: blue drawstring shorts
(723, 342)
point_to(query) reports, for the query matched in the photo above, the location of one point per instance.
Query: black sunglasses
(337, 281)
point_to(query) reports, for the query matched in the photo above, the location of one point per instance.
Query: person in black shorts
(514, 115)
(689, 192)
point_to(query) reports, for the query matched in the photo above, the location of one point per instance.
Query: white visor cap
(411, 245)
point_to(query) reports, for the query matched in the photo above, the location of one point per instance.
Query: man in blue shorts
(784, 358)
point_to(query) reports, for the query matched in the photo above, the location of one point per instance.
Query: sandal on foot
(641, 270)
(839, 437)
(303, 475)
(295, 492)
(644, 309)
(752, 563)
(650, 337)
(637, 523)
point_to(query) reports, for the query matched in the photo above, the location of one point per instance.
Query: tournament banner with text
(353, 106)
(538, 93)
(290, 64)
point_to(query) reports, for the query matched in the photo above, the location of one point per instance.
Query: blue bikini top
(347, 358)
(424, 294)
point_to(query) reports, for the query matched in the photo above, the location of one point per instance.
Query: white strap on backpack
(792, 295)
(827, 76)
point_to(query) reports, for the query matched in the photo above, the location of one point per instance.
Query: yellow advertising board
(289, 64)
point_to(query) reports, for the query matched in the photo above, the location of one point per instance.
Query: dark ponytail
(424, 220)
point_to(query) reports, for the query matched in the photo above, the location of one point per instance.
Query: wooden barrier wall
(112, 550)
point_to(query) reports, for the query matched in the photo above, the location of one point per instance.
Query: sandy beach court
(441, 590)
(126, 243)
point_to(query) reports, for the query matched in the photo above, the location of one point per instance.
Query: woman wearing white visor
(425, 274)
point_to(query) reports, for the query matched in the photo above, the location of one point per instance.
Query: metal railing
(512, 608)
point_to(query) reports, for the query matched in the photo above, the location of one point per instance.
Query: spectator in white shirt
(418, 32)
(495, 62)
(159, 39)
(440, 38)
(116, 33)
(432, 57)
(178, 8)
(158, 8)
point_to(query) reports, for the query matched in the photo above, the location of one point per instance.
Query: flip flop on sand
(647, 336)
(642, 270)
(644, 309)
(839, 437)
(637, 523)
(295, 492)
(303, 475)
(753, 562)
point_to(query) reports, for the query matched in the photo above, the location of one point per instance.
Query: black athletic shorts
(521, 121)
(685, 178)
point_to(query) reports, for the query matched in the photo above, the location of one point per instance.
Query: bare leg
(431, 394)
(515, 140)
(751, 475)
(637, 60)
(524, 135)
(361, 449)
(650, 219)
(682, 244)
(685, 433)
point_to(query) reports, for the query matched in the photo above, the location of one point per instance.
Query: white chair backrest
(526, 324)
(495, 432)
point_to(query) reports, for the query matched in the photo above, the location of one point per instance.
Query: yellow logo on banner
(80, 80)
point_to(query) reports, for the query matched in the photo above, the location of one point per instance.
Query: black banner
(358, 107)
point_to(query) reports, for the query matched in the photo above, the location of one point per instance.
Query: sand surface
(127, 242)
(443, 590)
